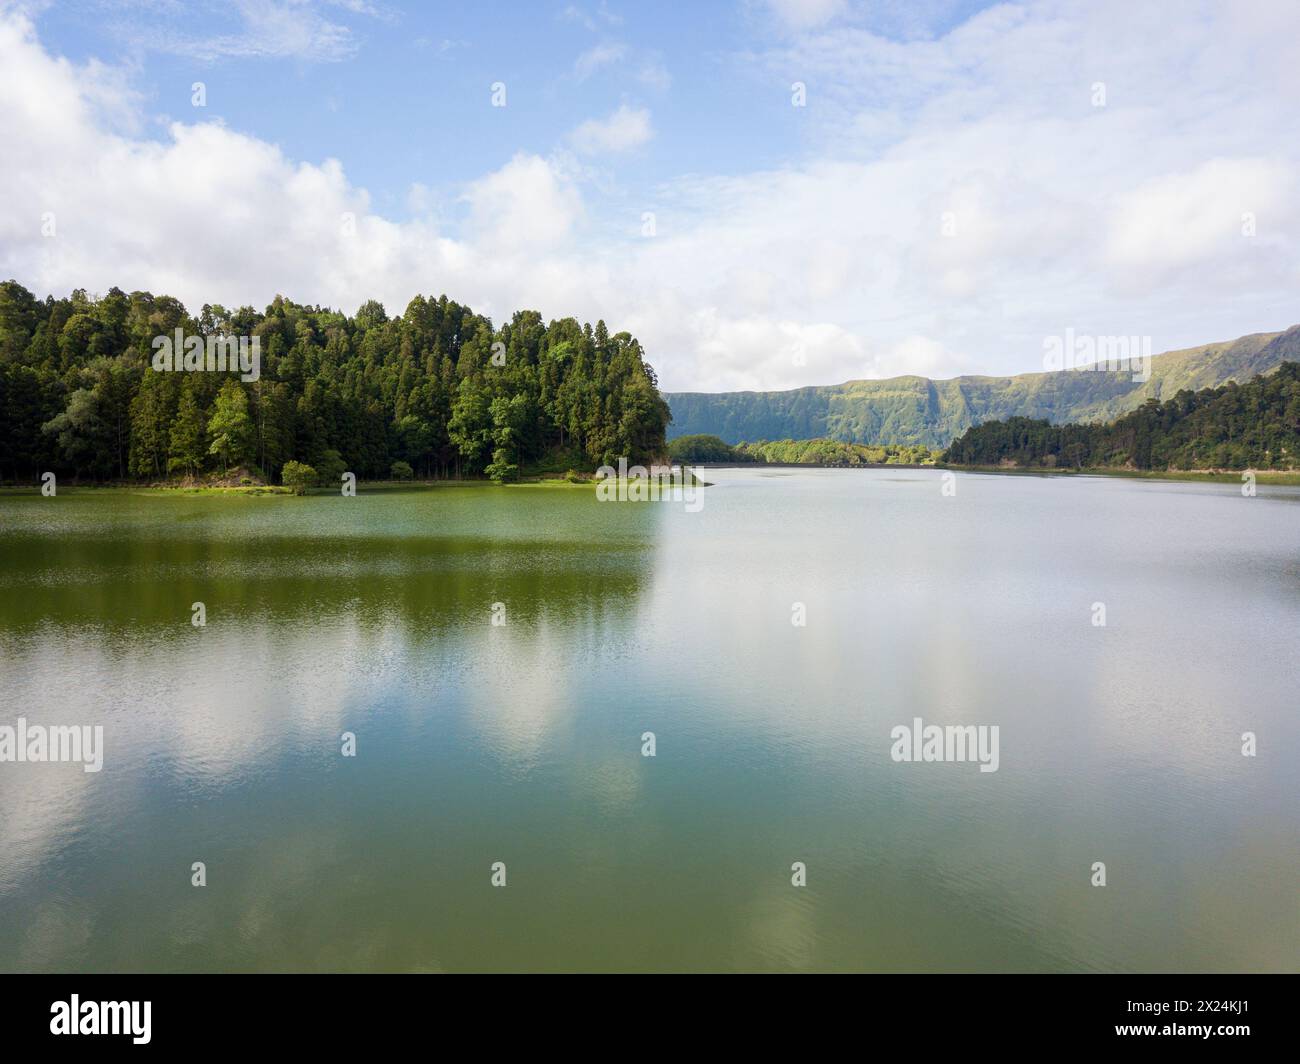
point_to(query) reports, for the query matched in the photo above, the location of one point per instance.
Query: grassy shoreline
(363, 486)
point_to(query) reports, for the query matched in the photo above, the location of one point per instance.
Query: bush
(299, 476)
(501, 469)
(400, 470)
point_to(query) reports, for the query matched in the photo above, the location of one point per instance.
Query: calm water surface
(522, 742)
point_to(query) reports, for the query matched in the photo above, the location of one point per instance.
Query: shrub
(299, 476)
(501, 469)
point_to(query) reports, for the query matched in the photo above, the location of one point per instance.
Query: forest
(436, 392)
(1255, 425)
(702, 448)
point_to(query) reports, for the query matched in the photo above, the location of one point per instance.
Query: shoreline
(812, 465)
(1286, 477)
(1226, 476)
(1276, 477)
(281, 490)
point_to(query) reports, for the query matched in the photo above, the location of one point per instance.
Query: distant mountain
(917, 410)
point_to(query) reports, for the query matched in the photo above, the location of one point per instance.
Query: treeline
(704, 449)
(836, 453)
(438, 388)
(1255, 425)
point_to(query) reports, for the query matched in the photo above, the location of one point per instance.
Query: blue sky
(399, 92)
(950, 195)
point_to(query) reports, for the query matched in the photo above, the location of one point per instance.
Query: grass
(252, 489)
(363, 486)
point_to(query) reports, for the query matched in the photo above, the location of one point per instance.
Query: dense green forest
(428, 390)
(1255, 425)
(703, 449)
(918, 410)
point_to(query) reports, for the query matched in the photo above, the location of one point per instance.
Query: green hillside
(1255, 425)
(917, 410)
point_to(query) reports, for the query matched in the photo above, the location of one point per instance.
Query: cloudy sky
(768, 193)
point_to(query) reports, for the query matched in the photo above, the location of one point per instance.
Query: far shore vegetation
(437, 390)
(704, 449)
(1211, 434)
(1237, 427)
(439, 393)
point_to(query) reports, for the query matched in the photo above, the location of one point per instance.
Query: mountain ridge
(912, 409)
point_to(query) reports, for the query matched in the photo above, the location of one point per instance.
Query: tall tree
(231, 427)
(187, 446)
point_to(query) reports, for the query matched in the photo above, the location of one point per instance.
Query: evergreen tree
(187, 447)
(151, 418)
(231, 427)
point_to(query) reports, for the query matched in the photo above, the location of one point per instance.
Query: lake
(514, 733)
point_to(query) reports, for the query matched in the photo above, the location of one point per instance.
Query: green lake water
(522, 742)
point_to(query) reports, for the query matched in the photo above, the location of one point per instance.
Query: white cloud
(1188, 220)
(591, 20)
(525, 204)
(750, 353)
(623, 130)
(593, 59)
(263, 29)
(805, 14)
(654, 75)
